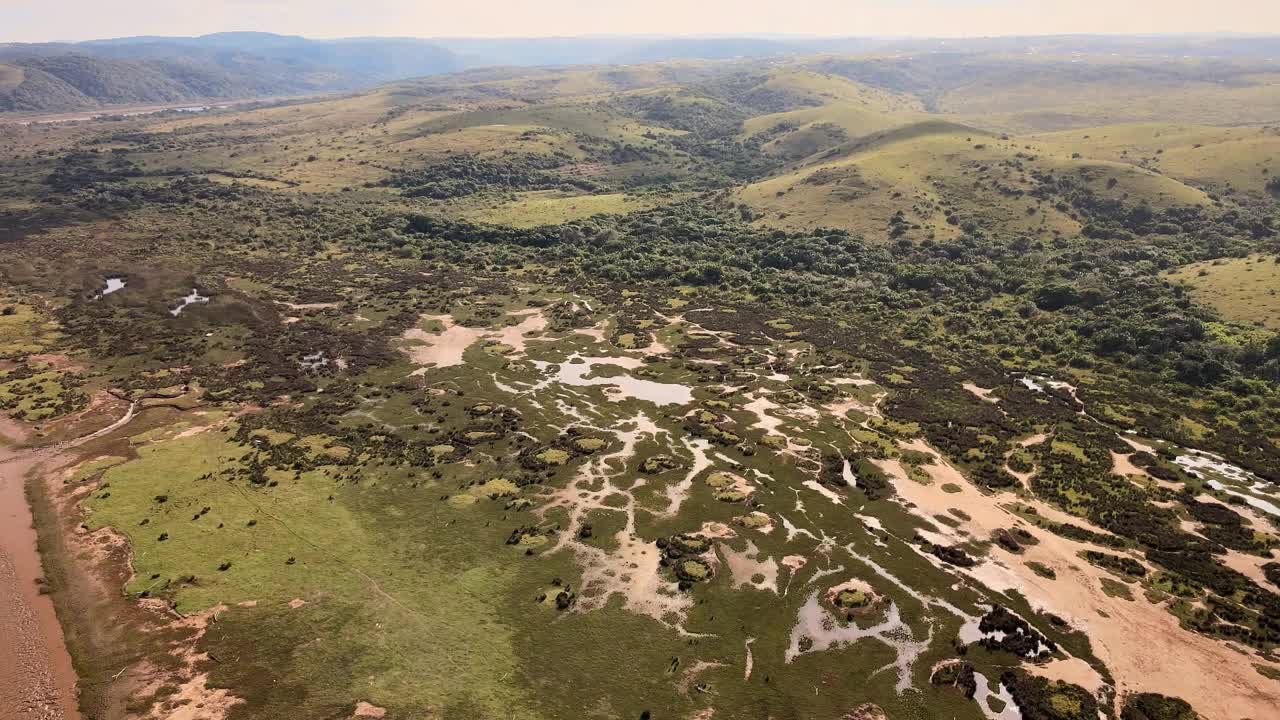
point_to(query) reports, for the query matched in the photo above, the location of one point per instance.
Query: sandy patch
(690, 676)
(853, 584)
(368, 710)
(632, 570)
(1123, 466)
(1249, 566)
(517, 336)
(1072, 670)
(57, 361)
(677, 494)
(196, 701)
(716, 531)
(1217, 680)
(794, 562)
(981, 393)
(748, 569)
(12, 431)
(760, 406)
(595, 333)
(442, 349)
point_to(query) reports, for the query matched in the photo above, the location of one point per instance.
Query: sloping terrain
(60, 78)
(939, 179)
(1222, 159)
(1244, 289)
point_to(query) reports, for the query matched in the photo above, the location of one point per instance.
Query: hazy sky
(40, 20)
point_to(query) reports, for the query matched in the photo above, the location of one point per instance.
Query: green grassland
(934, 170)
(1244, 289)
(551, 208)
(1223, 159)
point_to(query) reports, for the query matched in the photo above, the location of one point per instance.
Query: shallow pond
(1206, 465)
(192, 299)
(983, 693)
(114, 284)
(575, 370)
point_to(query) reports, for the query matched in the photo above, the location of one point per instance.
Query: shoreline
(121, 652)
(37, 673)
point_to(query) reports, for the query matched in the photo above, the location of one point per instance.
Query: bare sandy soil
(1219, 681)
(981, 393)
(443, 349)
(446, 348)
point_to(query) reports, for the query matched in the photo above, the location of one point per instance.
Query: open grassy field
(551, 208)
(1222, 159)
(1244, 289)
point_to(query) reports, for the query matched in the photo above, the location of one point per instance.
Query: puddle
(1202, 465)
(192, 299)
(1256, 503)
(575, 374)
(114, 284)
(846, 472)
(983, 694)
(824, 632)
(1040, 383)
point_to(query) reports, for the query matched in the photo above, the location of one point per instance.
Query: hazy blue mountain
(151, 69)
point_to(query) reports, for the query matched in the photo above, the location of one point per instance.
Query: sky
(67, 20)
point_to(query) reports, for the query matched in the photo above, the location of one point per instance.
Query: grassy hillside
(940, 179)
(71, 82)
(1223, 159)
(1243, 289)
(230, 65)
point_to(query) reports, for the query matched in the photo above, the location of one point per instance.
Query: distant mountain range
(56, 77)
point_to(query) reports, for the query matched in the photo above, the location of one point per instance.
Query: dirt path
(37, 680)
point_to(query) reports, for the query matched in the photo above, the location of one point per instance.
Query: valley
(753, 387)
